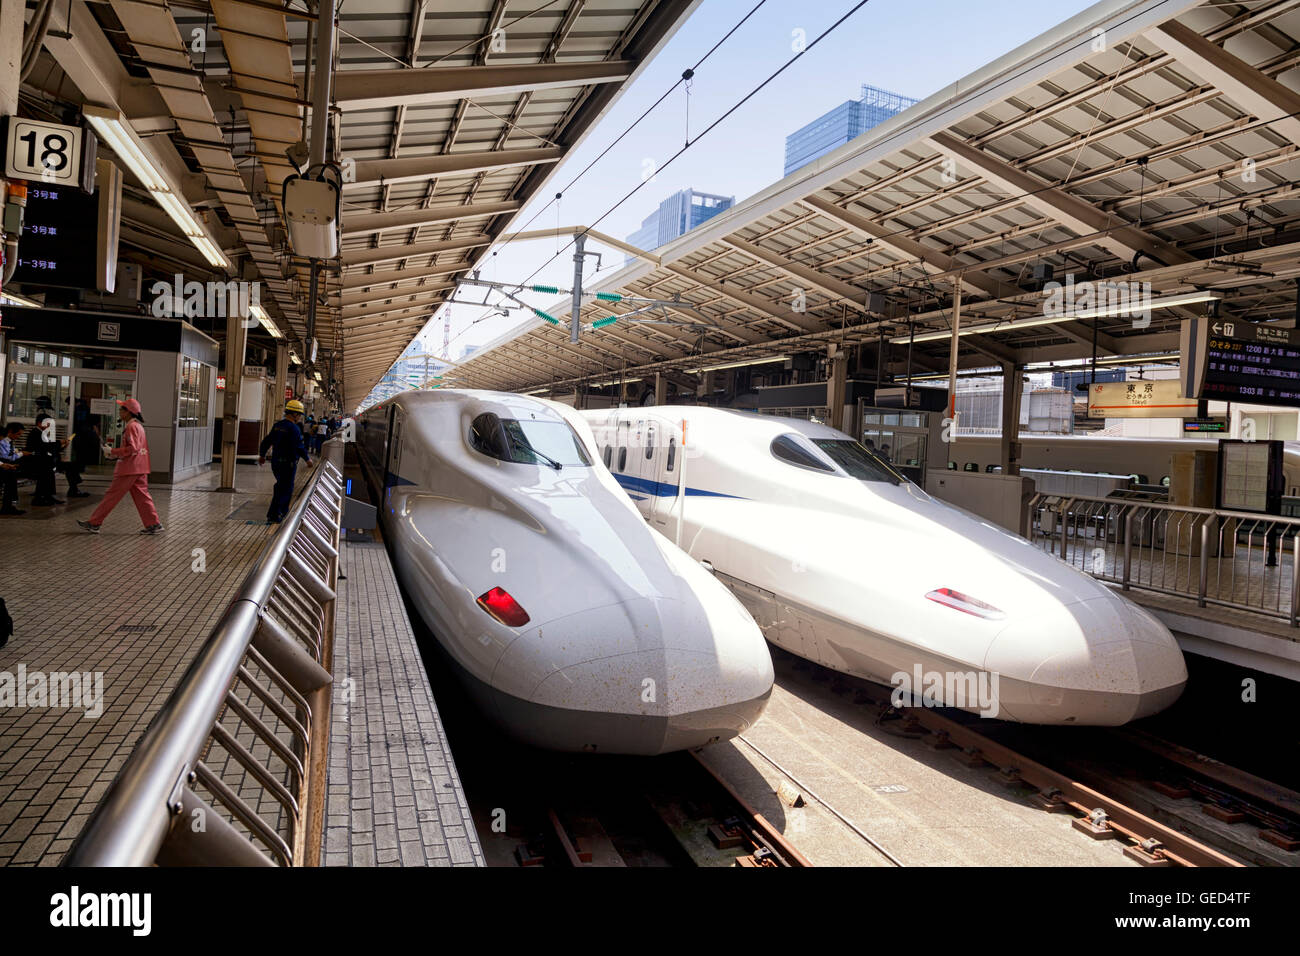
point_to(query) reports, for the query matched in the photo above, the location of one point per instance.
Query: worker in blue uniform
(286, 446)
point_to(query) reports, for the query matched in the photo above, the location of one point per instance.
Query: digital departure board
(1233, 361)
(57, 247)
(70, 237)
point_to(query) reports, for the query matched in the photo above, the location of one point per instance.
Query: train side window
(952, 466)
(787, 449)
(649, 443)
(1165, 481)
(622, 458)
(971, 466)
(990, 468)
(672, 453)
(609, 455)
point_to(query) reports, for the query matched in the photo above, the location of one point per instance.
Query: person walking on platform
(285, 444)
(130, 474)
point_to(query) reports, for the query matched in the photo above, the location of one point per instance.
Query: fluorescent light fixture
(293, 357)
(762, 361)
(1164, 302)
(316, 376)
(13, 298)
(112, 127)
(259, 313)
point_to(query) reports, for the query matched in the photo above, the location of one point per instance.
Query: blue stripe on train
(662, 489)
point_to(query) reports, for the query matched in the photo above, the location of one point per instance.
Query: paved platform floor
(923, 806)
(394, 794)
(125, 608)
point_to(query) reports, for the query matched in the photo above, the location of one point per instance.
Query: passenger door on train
(668, 470)
(393, 456)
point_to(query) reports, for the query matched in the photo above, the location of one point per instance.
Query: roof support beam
(370, 280)
(385, 89)
(369, 257)
(1075, 214)
(842, 292)
(374, 296)
(1083, 336)
(931, 260)
(794, 320)
(1261, 96)
(371, 172)
(367, 224)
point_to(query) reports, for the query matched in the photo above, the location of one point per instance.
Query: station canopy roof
(448, 115)
(1139, 142)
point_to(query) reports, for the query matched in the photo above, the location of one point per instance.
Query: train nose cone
(1109, 662)
(645, 677)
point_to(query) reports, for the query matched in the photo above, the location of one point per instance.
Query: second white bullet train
(569, 621)
(846, 563)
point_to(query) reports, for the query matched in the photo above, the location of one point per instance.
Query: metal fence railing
(1229, 558)
(231, 771)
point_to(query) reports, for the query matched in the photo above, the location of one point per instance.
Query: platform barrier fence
(231, 771)
(1229, 558)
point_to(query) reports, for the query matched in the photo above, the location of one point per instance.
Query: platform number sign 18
(42, 152)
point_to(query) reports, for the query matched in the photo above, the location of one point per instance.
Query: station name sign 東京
(1157, 398)
(1233, 361)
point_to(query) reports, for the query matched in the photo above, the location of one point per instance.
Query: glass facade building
(678, 214)
(847, 121)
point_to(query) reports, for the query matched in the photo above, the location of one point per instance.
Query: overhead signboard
(1157, 398)
(1235, 361)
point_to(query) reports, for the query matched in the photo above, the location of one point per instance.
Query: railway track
(682, 803)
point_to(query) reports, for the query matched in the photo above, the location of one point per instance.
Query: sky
(912, 47)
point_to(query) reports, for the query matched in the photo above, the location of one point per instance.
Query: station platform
(129, 612)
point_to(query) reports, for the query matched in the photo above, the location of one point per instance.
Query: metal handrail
(150, 794)
(1183, 550)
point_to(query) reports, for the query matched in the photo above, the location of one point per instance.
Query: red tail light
(965, 603)
(503, 607)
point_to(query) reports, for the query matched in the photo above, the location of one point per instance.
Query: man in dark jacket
(85, 449)
(285, 444)
(42, 462)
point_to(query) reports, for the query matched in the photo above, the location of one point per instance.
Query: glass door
(95, 420)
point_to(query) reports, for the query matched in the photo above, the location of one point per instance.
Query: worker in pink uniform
(131, 473)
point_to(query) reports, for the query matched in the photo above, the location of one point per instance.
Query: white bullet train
(570, 622)
(844, 562)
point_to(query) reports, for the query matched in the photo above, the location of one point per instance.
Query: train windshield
(857, 460)
(553, 444)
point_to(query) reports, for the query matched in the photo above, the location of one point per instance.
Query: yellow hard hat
(293, 405)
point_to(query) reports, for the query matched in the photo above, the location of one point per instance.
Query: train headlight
(503, 607)
(965, 603)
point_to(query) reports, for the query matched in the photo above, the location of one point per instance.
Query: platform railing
(1230, 558)
(231, 771)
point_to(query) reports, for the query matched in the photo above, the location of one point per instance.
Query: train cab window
(855, 460)
(788, 448)
(529, 442)
(672, 453)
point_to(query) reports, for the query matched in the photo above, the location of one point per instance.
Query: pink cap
(131, 405)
